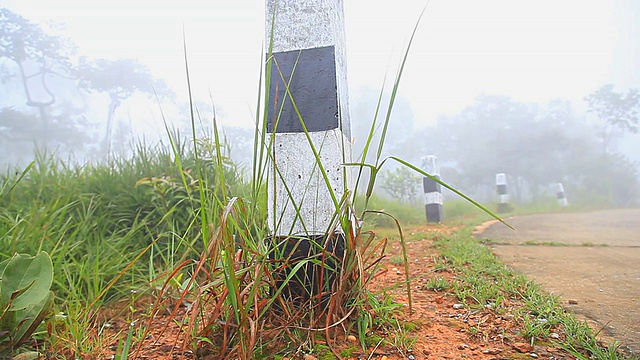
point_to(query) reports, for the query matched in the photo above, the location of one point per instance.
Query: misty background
(545, 92)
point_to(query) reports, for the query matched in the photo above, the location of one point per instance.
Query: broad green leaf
(7, 324)
(26, 279)
(31, 318)
(31, 355)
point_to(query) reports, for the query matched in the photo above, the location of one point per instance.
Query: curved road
(592, 260)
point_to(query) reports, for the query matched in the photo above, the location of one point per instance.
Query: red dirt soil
(441, 329)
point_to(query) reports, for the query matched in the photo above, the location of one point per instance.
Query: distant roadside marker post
(503, 195)
(562, 198)
(432, 190)
(308, 56)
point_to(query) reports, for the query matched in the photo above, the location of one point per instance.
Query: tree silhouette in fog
(44, 69)
(41, 65)
(536, 146)
(120, 79)
(617, 111)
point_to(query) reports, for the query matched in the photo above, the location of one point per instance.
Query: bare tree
(120, 79)
(618, 112)
(40, 58)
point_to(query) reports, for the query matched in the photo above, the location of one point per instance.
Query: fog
(491, 86)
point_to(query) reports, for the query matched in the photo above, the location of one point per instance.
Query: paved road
(590, 258)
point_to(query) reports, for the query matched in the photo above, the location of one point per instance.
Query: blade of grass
(404, 255)
(24, 172)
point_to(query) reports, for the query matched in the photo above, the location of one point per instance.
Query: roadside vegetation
(483, 282)
(126, 236)
(113, 230)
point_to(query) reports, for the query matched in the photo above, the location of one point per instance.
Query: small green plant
(544, 243)
(437, 284)
(401, 337)
(441, 267)
(350, 352)
(396, 260)
(25, 298)
(474, 330)
(584, 345)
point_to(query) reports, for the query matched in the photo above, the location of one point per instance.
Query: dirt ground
(591, 260)
(438, 328)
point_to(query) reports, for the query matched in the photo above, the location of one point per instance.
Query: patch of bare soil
(438, 328)
(446, 330)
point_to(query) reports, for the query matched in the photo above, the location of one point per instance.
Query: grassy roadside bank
(468, 270)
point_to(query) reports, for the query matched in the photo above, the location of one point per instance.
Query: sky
(533, 51)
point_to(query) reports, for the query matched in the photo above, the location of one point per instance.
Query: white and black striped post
(562, 198)
(308, 58)
(503, 195)
(308, 53)
(432, 190)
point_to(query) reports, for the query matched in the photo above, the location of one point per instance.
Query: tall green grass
(253, 288)
(96, 219)
(407, 214)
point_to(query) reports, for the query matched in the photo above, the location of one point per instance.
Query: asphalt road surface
(592, 260)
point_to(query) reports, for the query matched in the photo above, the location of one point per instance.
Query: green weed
(437, 284)
(396, 260)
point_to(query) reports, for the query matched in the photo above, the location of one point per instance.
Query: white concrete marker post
(503, 195)
(562, 199)
(308, 52)
(308, 36)
(432, 190)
